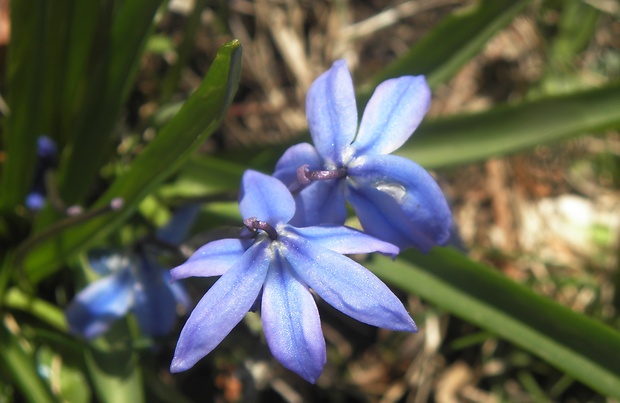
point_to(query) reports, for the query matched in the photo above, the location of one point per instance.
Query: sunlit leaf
(511, 128)
(116, 374)
(20, 365)
(582, 347)
(173, 145)
(123, 31)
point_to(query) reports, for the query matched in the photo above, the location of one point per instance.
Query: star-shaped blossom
(394, 198)
(132, 282)
(278, 266)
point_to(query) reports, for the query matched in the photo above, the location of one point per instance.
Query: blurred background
(521, 135)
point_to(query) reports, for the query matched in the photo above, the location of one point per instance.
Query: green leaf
(575, 31)
(511, 128)
(24, 81)
(574, 343)
(21, 367)
(173, 145)
(450, 44)
(121, 36)
(116, 374)
(204, 176)
(41, 309)
(66, 379)
(51, 54)
(576, 28)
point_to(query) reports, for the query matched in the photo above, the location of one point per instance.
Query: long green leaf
(576, 29)
(123, 30)
(197, 120)
(24, 81)
(511, 128)
(21, 366)
(574, 343)
(43, 310)
(204, 176)
(64, 374)
(117, 375)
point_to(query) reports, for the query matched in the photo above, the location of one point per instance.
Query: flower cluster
(294, 239)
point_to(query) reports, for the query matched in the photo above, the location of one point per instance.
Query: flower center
(305, 176)
(253, 224)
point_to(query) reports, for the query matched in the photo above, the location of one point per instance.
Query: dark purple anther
(253, 224)
(305, 177)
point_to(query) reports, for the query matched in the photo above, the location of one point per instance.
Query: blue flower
(394, 198)
(132, 282)
(278, 266)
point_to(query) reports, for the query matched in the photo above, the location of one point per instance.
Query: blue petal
(155, 305)
(222, 307)
(293, 158)
(94, 309)
(332, 112)
(177, 289)
(345, 240)
(291, 322)
(392, 115)
(180, 295)
(212, 259)
(346, 285)
(396, 200)
(265, 198)
(321, 202)
(46, 147)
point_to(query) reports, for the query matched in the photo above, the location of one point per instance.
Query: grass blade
(197, 120)
(511, 128)
(582, 347)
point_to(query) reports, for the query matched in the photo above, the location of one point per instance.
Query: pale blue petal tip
(266, 198)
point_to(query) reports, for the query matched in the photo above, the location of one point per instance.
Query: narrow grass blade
(582, 347)
(122, 34)
(20, 365)
(511, 128)
(24, 81)
(116, 375)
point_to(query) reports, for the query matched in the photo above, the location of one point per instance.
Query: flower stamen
(305, 176)
(253, 224)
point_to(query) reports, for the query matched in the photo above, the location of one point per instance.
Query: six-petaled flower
(394, 198)
(279, 265)
(132, 282)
